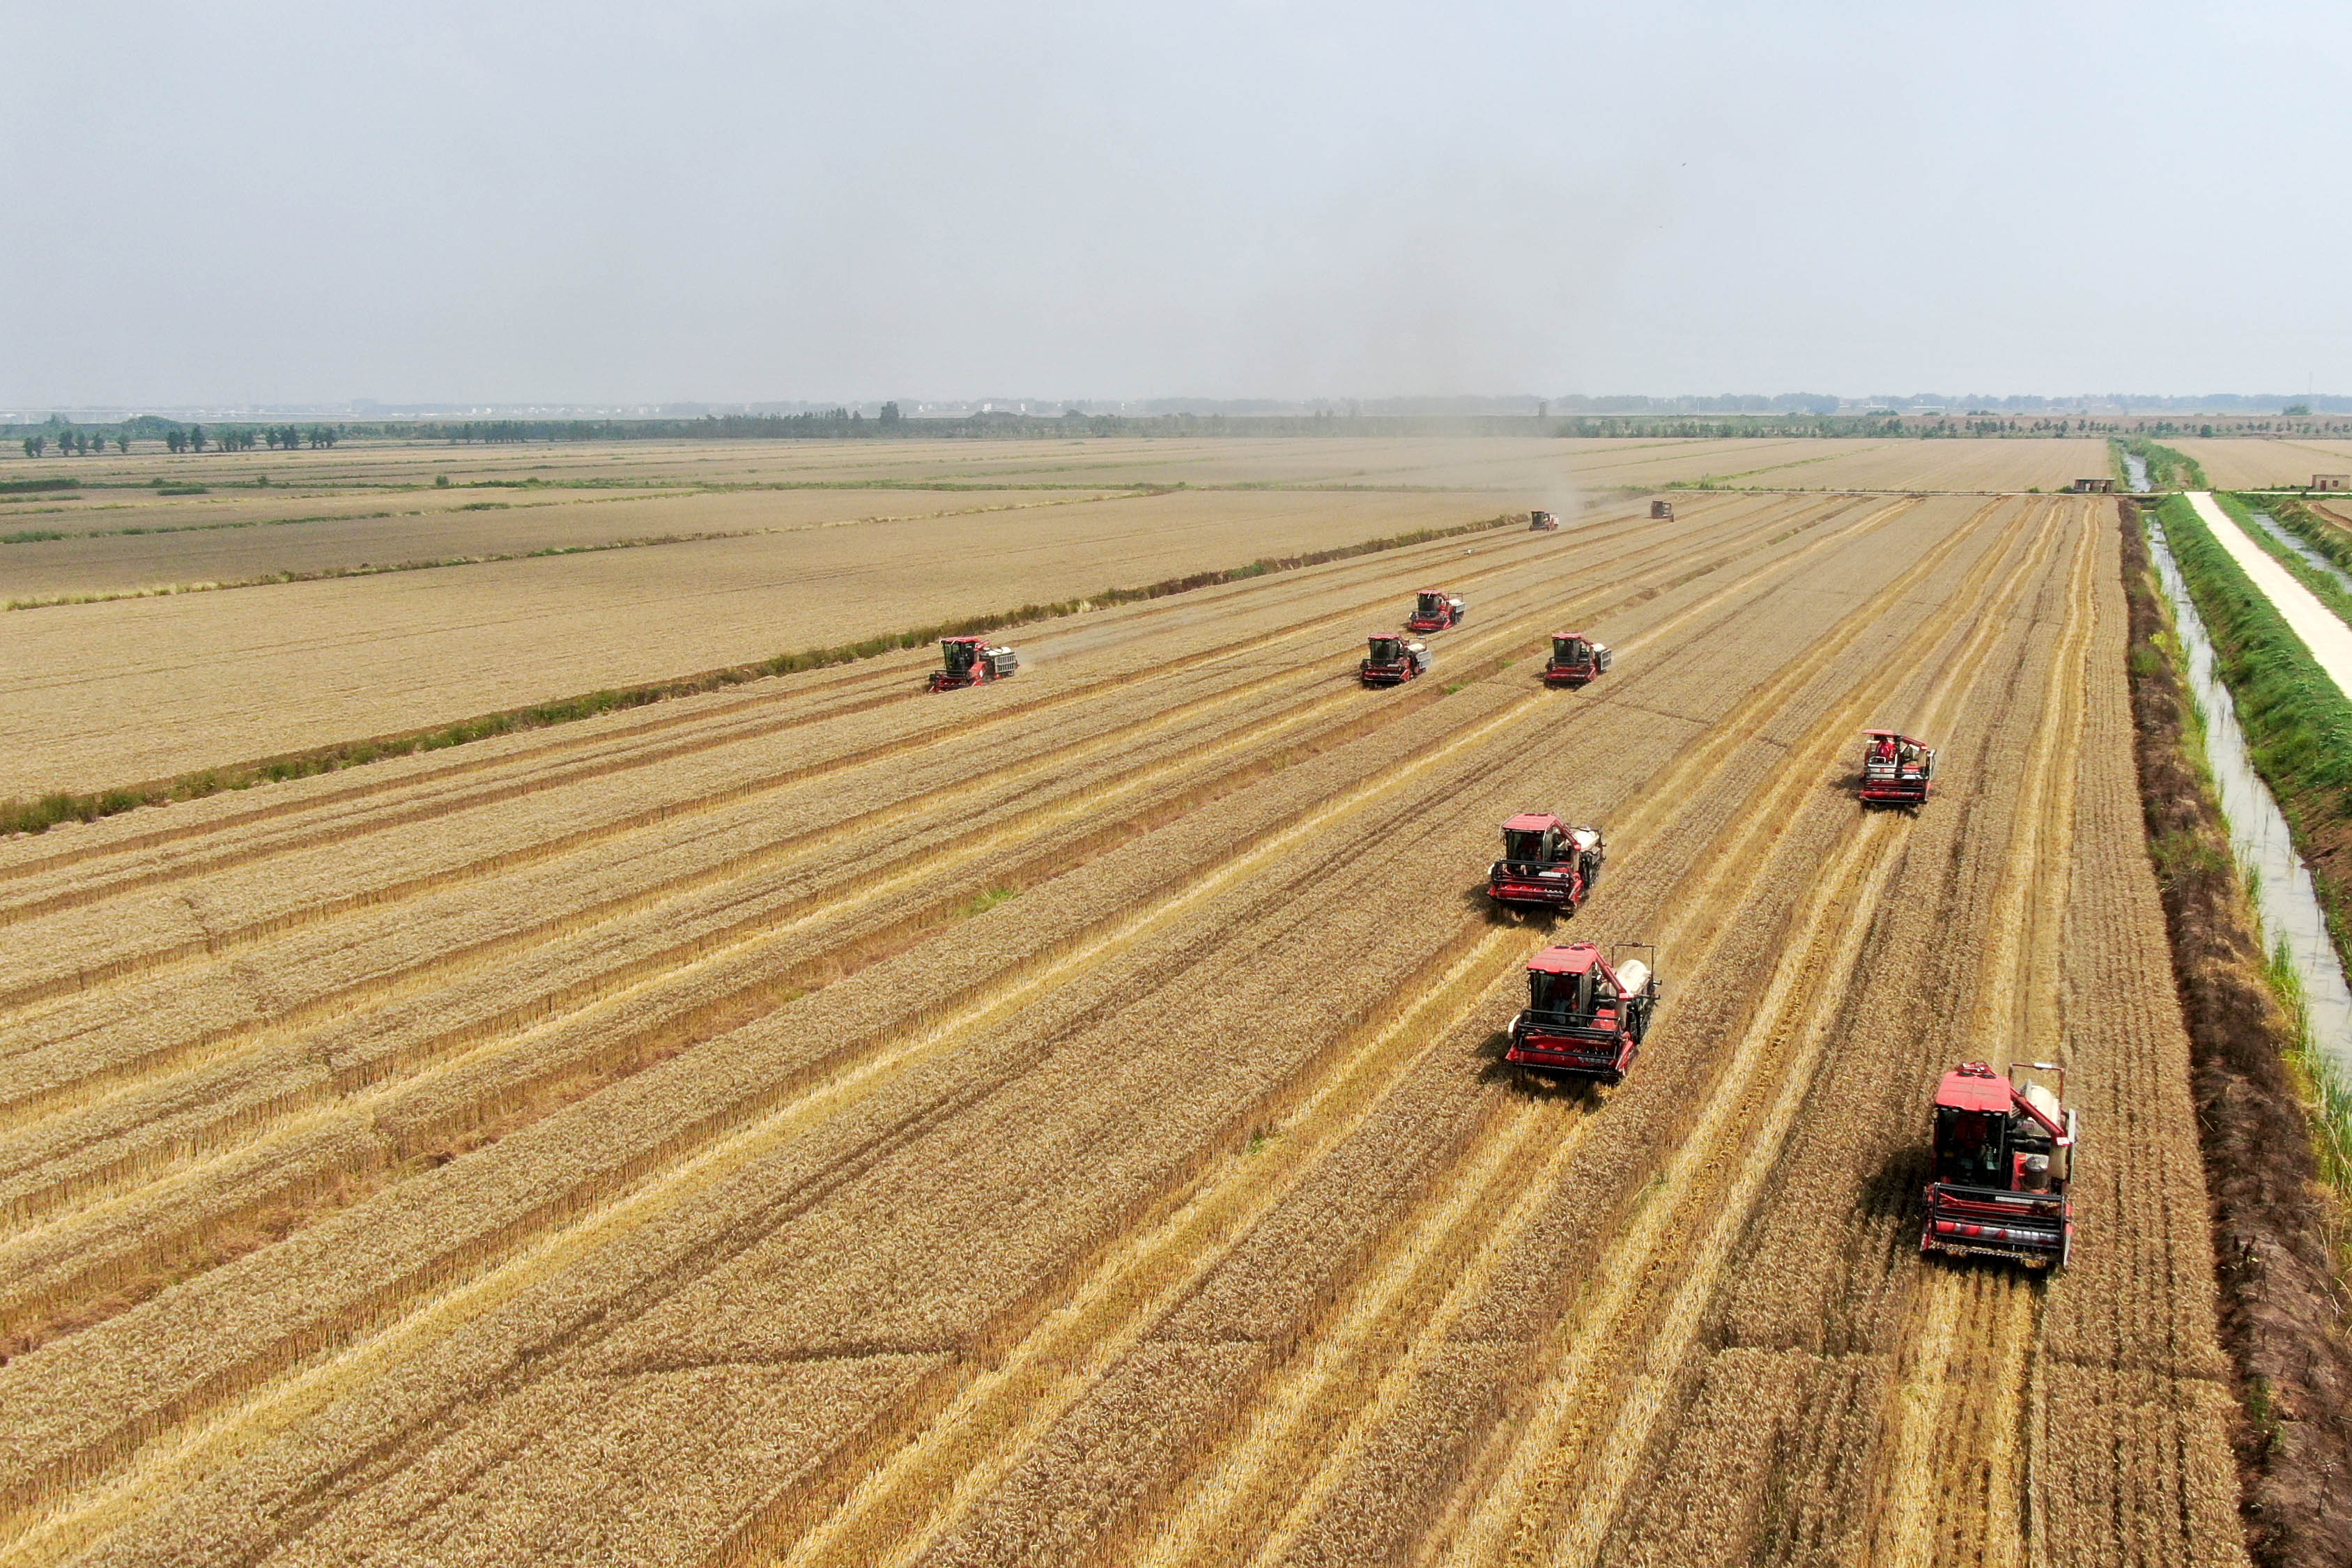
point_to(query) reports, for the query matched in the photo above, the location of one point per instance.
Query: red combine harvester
(1542, 523)
(1576, 660)
(1663, 508)
(1545, 862)
(1434, 610)
(1896, 769)
(970, 661)
(1394, 660)
(1586, 1014)
(2004, 1153)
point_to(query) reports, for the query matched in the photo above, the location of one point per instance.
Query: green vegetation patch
(37, 815)
(29, 486)
(2298, 724)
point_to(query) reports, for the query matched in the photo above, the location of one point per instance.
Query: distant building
(2094, 487)
(2331, 482)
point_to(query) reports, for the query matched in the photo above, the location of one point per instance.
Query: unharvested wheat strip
(1926, 1511)
(1536, 1442)
(1004, 1411)
(1667, 1344)
(1479, 1187)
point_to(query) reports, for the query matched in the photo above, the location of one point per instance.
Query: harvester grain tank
(972, 661)
(1546, 863)
(1435, 610)
(1896, 769)
(1576, 659)
(1586, 1013)
(2003, 1147)
(1542, 523)
(1393, 660)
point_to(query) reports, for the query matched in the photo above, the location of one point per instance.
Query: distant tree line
(69, 442)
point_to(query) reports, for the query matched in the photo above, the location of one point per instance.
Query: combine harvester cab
(1576, 660)
(2004, 1166)
(1434, 610)
(1896, 769)
(1393, 660)
(1586, 1014)
(970, 661)
(1546, 863)
(1663, 508)
(1542, 523)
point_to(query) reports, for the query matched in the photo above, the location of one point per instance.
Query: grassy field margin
(38, 814)
(2277, 1225)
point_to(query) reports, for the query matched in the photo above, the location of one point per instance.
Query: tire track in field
(1796, 777)
(216, 944)
(1965, 1366)
(1665, 795)
(1583, 1448)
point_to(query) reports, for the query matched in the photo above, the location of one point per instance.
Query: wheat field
(823, 1124)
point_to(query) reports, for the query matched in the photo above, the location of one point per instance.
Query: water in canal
(2290, 906)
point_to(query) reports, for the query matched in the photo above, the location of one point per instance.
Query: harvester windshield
(1388, 650)
(1554, 996)
(1568, 650)
(959, 654)
(1968, 1146)
(1527, 844)
(1430, 605)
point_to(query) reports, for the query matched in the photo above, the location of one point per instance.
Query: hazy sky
(581, 201)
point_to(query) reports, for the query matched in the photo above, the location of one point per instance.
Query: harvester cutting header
(1585, 1014)
(1435, 610)
(1392, 661)
(1896, 769)
(1576, 660)
(2004, 1166)
(1546, 863)
(970, 661)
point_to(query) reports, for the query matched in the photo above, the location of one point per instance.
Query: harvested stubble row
(1172, 1207)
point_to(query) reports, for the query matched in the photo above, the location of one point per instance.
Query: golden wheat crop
(822, 1123)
